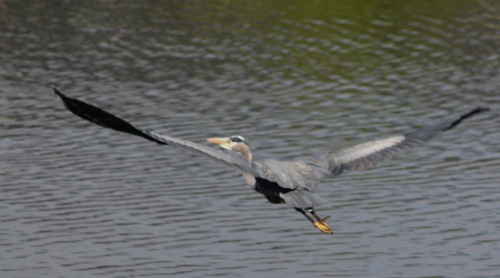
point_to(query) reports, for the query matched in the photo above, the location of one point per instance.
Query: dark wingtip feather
(100, 117)
(56, 91)
(471, 113)
(59, 94)
(476, 110)
(67, 101)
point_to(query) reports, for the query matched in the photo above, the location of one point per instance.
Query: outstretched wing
(369, 154)
(100, 117)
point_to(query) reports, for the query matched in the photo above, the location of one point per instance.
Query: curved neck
(244, 150)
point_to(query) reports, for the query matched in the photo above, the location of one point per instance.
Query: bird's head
(233, 143)
(228, 143)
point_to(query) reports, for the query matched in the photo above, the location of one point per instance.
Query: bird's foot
(323, 226)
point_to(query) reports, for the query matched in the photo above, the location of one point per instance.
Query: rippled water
(293, 77)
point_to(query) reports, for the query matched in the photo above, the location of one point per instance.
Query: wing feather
(304, 174)
(369, 154)
(105, 119)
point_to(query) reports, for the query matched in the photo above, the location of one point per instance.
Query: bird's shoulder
(288, 174)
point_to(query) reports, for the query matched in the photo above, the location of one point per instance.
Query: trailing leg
(319, 223)
(313, 213)
(305, 214)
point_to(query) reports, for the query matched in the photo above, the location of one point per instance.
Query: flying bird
(281, 182)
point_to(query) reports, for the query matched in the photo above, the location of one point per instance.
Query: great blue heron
(290, 183)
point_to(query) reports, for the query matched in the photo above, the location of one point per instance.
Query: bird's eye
(237, 139)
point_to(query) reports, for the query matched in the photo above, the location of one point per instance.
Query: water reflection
(294, 78)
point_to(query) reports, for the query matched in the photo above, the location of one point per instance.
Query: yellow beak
(218, 141)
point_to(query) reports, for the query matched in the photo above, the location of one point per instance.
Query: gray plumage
(279, 181)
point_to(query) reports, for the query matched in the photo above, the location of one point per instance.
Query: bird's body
(285, 182)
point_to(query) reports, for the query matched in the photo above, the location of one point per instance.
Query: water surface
(295, 78)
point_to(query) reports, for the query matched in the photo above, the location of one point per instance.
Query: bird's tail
(301, 198)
